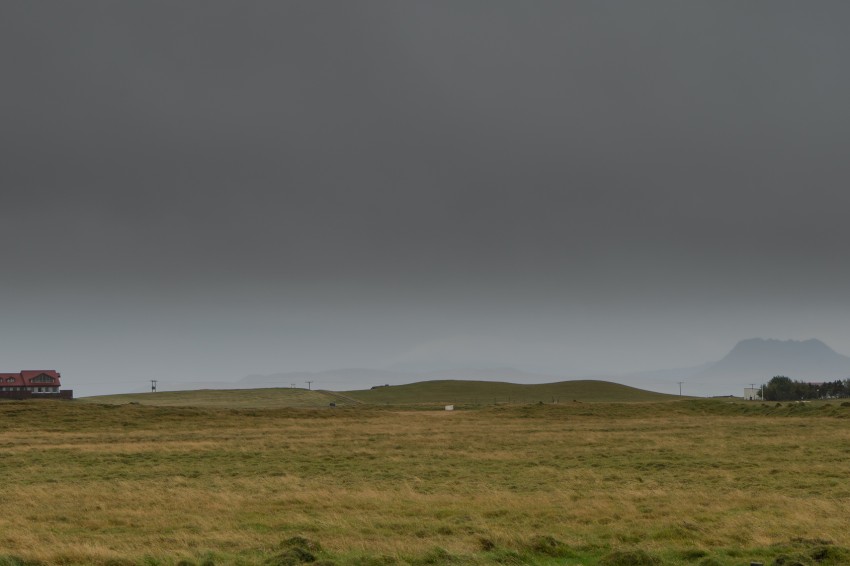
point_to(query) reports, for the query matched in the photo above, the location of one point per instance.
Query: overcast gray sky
(205, 190)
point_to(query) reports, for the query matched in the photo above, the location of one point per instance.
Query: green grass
(426, 393)
(495, 392)
(231, 398)
(683, 482)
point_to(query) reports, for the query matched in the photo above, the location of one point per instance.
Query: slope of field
(422, 393)
(495, 392)
(232, 398)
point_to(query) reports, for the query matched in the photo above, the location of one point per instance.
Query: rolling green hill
(421, 393)
(494, 392)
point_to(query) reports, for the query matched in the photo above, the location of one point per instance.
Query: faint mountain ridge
(759, 359)
(755, 360)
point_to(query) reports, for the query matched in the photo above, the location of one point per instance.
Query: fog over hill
(193, 196)
(754, 360)
(751, 361)
(363, 378)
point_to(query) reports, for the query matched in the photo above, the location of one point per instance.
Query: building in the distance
(33, 384)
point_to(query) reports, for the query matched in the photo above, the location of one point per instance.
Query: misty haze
(377, 186)
(565, 211)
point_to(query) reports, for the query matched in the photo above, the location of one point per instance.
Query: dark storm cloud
(540, 160)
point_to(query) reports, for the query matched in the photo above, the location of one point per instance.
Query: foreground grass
(686, 482)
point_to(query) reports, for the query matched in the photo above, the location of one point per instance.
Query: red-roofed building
(33, 384)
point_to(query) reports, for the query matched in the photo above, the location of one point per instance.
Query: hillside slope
(489, 392)
(229, 398)
(421, 393)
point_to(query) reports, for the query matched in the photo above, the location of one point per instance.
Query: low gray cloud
(306, 185)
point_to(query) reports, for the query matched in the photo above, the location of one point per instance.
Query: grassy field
(456, 392)
(704, 482)
(492, 392)
(231, 398)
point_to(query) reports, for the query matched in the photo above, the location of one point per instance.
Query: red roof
(25, 378)
(11, 379)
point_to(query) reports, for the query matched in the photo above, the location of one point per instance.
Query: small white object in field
(450, 407)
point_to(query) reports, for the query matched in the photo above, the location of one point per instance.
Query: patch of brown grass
(111, 483)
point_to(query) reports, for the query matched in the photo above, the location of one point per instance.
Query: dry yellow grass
(87, 484)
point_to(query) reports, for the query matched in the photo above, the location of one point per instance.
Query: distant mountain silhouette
(751, 361)
(758, 360)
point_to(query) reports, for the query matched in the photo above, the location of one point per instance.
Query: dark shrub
(787, 560)
(830, 555)
(301, 542)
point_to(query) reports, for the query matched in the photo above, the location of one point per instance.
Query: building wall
(62, 394)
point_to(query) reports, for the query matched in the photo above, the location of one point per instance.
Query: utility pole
(153, 385)
(680, 387)
(308, 385)
(752, 388)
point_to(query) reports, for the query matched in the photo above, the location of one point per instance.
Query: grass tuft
(830, 555)
(630, 558)
(548, 545)
(17, 561)
(302, 543)
(791, 560)
(291, 557)
(436, 556)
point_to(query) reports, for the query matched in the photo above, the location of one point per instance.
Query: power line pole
(153, 385)
(308, 385)
(680, 387)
